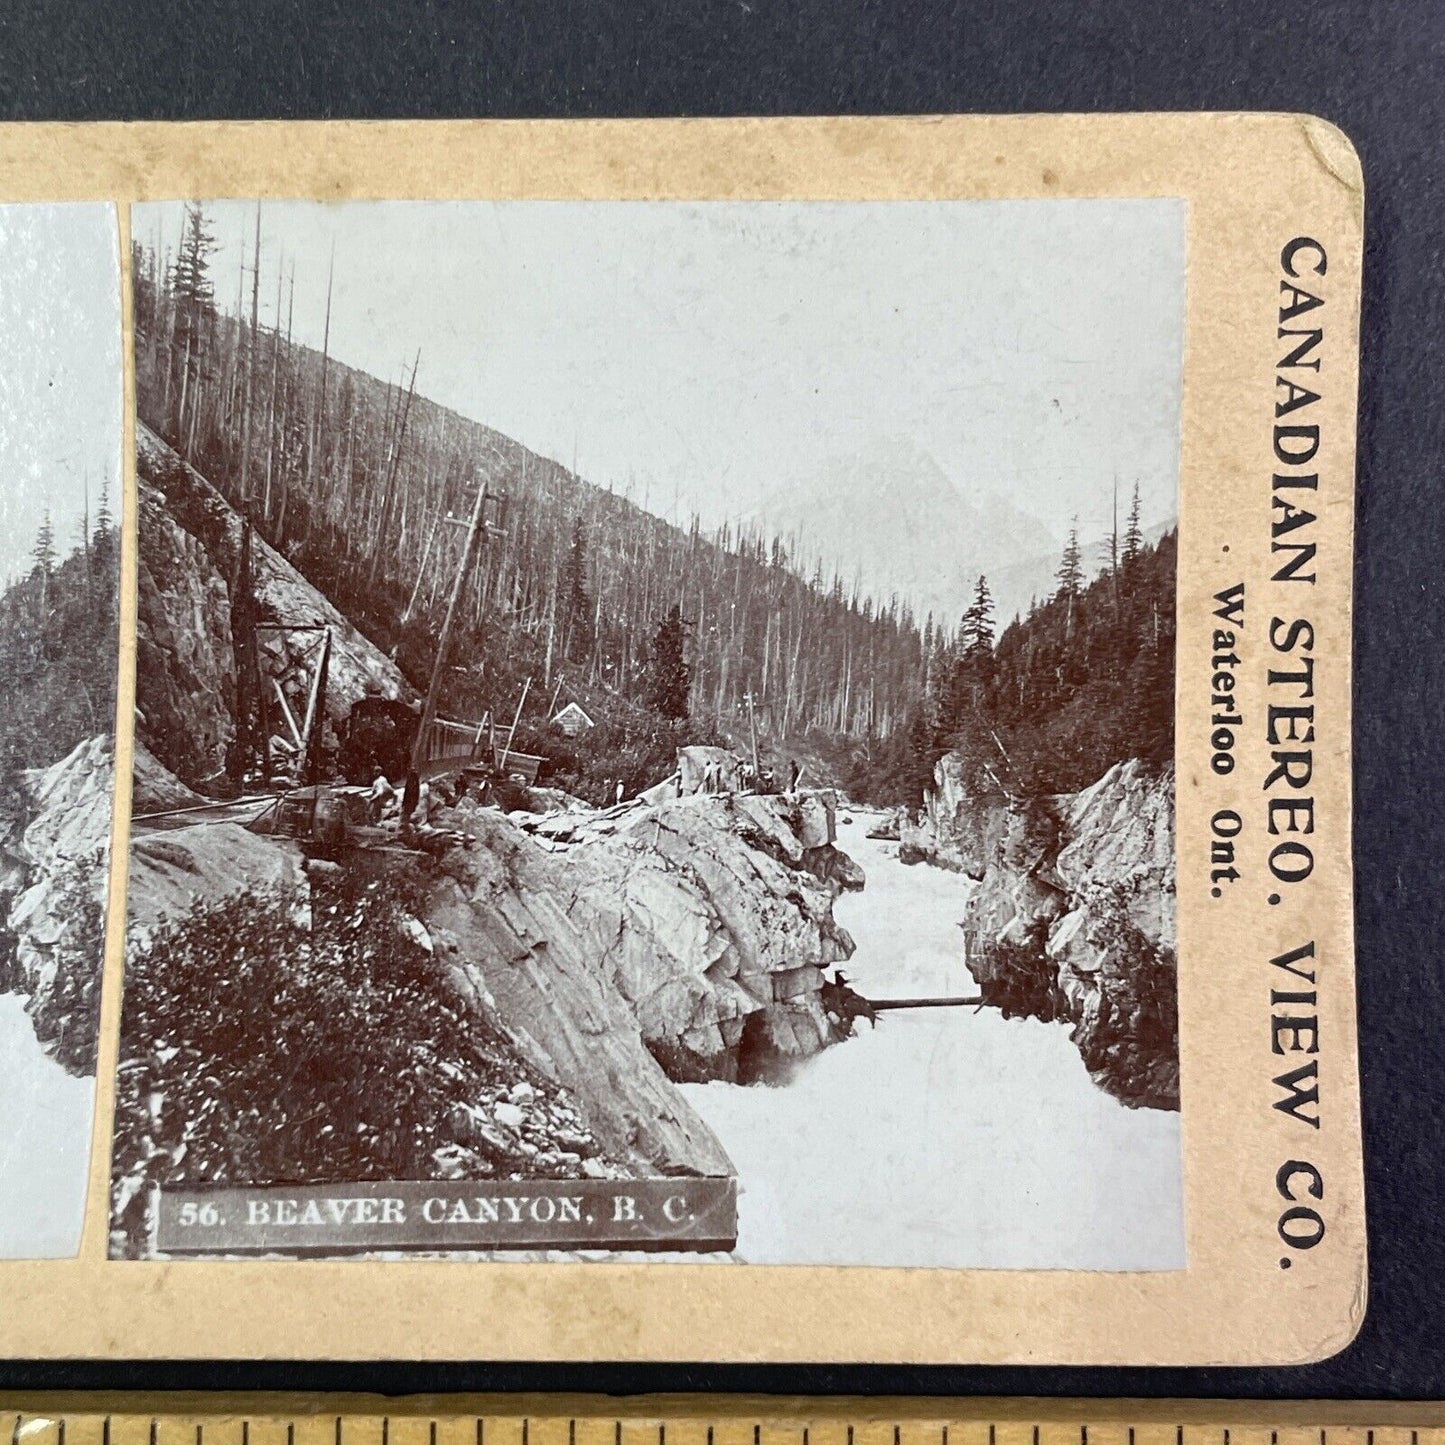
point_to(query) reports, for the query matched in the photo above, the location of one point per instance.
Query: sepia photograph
(61, 396)
(654, 733)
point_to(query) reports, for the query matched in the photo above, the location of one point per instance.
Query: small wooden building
(573, 720)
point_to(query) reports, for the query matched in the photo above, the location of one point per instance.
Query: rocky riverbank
(1072, 914)
(54, 846)
(670, 942)
(697, 928)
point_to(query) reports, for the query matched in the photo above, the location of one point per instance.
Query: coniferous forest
(58, 647)
(1084, 681)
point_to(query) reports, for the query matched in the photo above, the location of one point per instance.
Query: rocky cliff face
(190, 541)
(1073, 916)
(684, 943)
(54, 876)
(185, 662)
(951, 830)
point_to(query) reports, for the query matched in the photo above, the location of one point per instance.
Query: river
(944, 1137)
(45, 1123)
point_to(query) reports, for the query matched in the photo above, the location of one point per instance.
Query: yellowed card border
(1251, 182)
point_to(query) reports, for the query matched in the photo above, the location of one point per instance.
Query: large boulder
(172, 871)
(682, 941)
(709, 915)
(176, 864)
(518, 952)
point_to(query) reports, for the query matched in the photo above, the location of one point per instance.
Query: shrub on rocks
(259, 1050)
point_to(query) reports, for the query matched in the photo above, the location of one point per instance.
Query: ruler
(172, 1419)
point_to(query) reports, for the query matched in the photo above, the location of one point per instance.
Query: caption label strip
(644, 1214)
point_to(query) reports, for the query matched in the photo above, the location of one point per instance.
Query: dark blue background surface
(1374, 69)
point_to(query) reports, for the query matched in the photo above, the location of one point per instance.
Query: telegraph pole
(475, 528)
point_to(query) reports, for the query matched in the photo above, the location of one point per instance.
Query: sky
(61, 380)
(707, 355)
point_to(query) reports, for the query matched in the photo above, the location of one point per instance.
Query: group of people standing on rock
(739, 776)
(729, 777)
(384, 798)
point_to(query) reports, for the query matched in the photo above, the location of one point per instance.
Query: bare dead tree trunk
(420, 571)
(389, 495)
(251, 368)
(271, 403)
(318, 419)
(283, 472)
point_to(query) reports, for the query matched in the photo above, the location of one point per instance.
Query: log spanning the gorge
(878, 1005)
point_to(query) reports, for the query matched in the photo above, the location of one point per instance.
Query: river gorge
(950, 1136)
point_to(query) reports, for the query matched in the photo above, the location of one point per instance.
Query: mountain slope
(359, 483)
(889, 517)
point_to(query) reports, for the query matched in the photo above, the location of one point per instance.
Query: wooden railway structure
(448, 746)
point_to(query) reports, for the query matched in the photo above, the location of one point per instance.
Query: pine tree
(43, 553)
(101, 548)
(1071, 567)
(972, 669)
(1133, 533)
(104, 521)
(191, 271)
(978, 622)
(195, 304)
(143, 288)
(671, 676)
